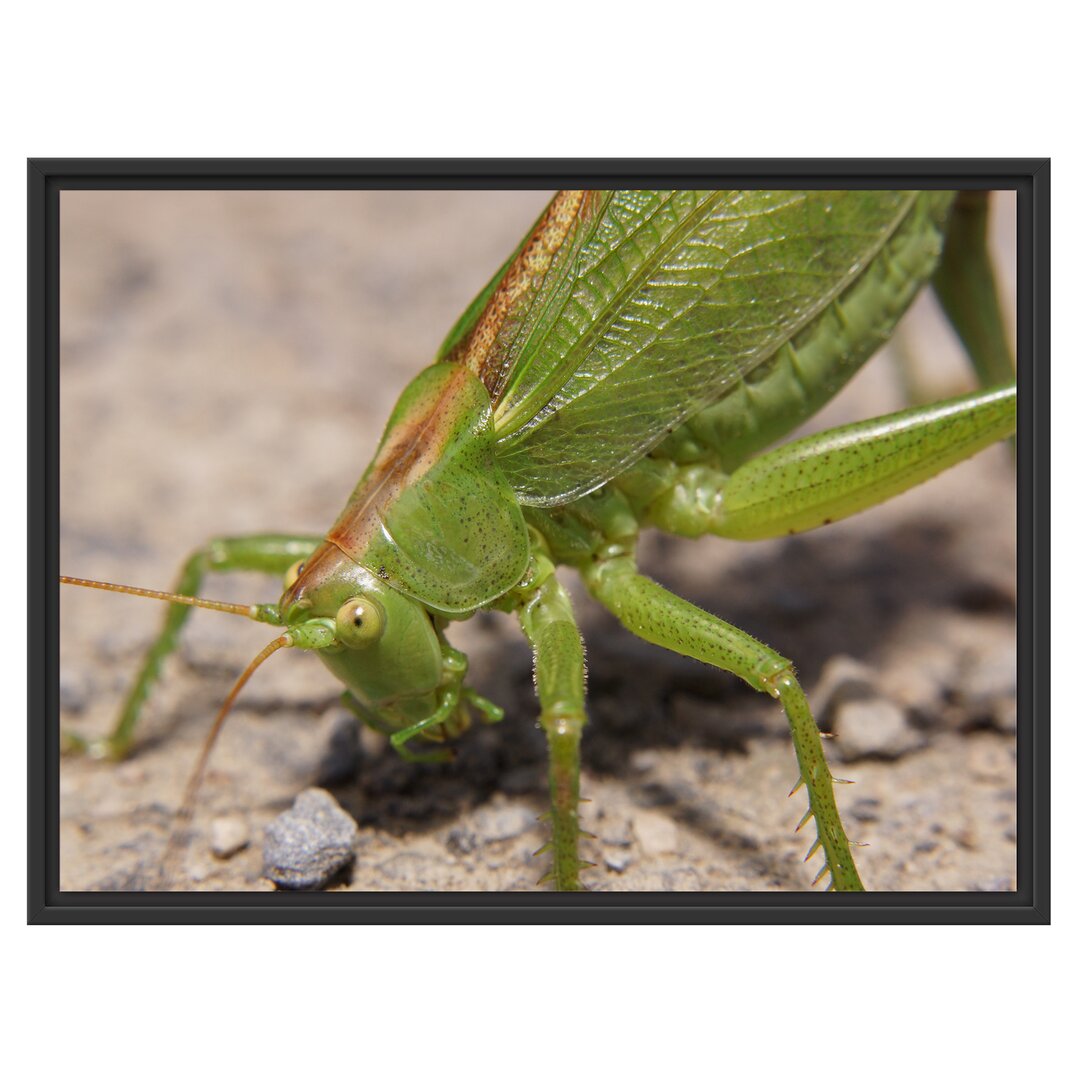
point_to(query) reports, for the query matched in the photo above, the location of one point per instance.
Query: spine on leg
(650, 611)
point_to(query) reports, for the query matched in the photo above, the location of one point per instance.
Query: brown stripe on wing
(410, 451)
(534, 259)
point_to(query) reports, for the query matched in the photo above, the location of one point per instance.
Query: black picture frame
(46, 904)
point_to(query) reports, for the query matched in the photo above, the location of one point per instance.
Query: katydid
(626, 368)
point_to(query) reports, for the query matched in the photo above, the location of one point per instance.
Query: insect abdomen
(806, 372)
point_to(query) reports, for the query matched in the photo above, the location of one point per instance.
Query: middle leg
(548, 621)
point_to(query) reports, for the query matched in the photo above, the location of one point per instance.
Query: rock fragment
(310, 843)
(503, 822)
(228, 835)
(842, 679)
(657, 834)
(988, 685)
(75, 691)
(618, 860)
(875, 727)
(848, 701)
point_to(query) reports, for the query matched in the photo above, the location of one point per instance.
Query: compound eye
(293, 573)
(360, 622)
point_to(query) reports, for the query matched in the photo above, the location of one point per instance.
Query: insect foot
(814, 772)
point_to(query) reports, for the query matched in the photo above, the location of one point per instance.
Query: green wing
(656, 303)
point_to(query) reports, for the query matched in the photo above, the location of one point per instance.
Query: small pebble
(875, 727)
(228, 835)
(462, 841)
(644, 760)
(656, 833)
(989, 679)
(495, 823)
(842, 679)
(919, 678)
(310, 843)
(74, 692)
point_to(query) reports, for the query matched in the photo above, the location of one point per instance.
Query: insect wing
(654, 304)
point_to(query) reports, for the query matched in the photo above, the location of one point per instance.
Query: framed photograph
(747, 430)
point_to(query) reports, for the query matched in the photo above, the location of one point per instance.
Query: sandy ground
(228, 360)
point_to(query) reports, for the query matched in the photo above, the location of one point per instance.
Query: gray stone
(494, 823)
(310, 843)
(656, 833)
(462, 841)
(75, 691)
(873, 727)
(228, 835)
(842, 679)
(988, 684)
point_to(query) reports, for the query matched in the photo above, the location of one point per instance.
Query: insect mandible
(512, 499)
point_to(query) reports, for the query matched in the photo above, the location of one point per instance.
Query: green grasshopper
(627, 367)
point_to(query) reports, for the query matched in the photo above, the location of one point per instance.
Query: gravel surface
(228, 361)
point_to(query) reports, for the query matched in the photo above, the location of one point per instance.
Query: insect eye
(293, 573)
(360, 622)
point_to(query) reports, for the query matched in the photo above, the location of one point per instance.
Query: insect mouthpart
(296, 611)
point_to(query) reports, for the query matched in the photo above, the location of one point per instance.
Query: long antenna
(247, 610)
(187, 806)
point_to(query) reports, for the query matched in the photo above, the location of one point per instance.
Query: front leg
(449, 718)
(547, 618)
(270, 553)
(449, 710)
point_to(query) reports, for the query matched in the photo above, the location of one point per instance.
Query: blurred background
(228, 360)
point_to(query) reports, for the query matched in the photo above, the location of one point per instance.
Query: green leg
(455, 667)
(964, 284)
(826, 477)
(270, 554)
(449, 699)
(450, 693)
(548, 621)
(650, 611)
(489, 712)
